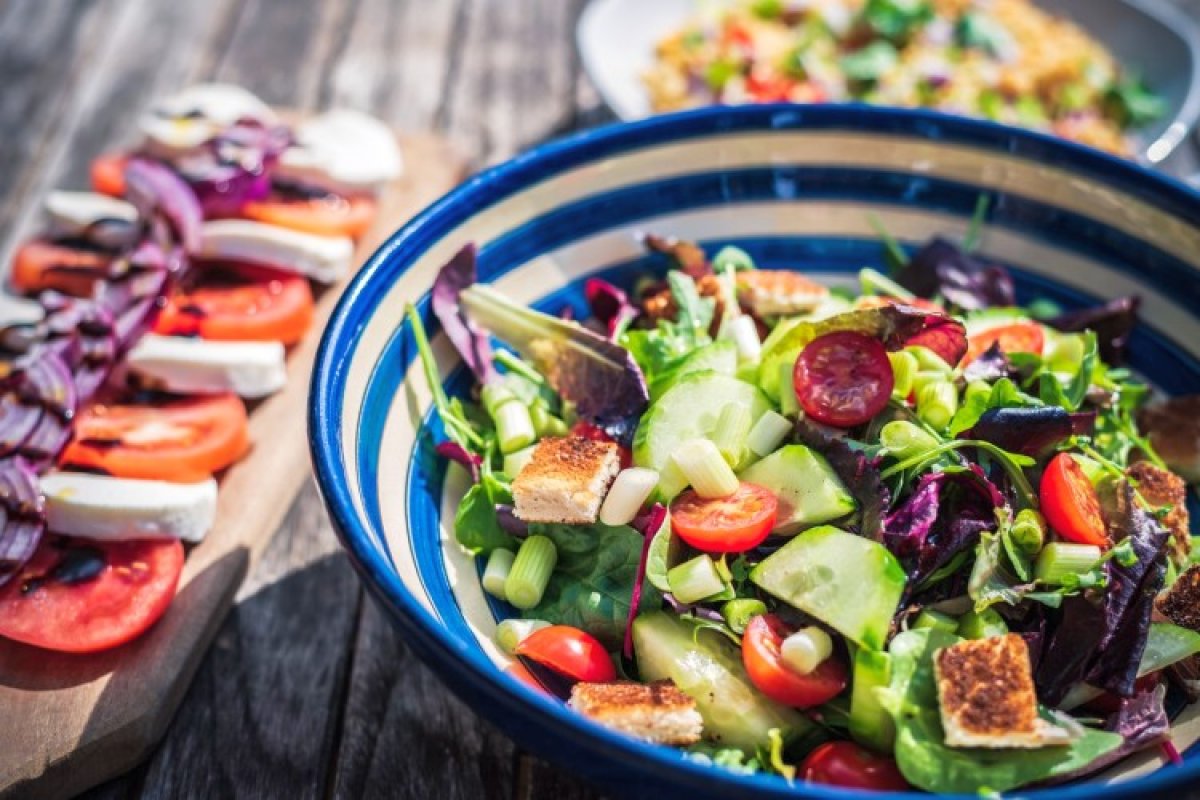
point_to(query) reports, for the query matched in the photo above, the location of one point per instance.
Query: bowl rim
(1152, 152)
(470, 672)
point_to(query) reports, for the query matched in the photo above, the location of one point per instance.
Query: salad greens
(784, 503)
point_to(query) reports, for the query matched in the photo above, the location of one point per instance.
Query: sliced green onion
(904, 370)
(924, 377)
(514, 363)
(1060, 559)
(806, 649)
(733, 426)
(936, 404)
(931, 618)
(511, 632)
(457, 428)
(695, 580)
(904, 439)
(705, 468)
(514, 428)
(744, 333)
(731, 257)
(768, 433)
(515, 461)
(739, 612)
(545, 423)
(982, 625)
(874, 282)
(927, 360)
(530, 573)
(499, 564)
(671, 481)
(789, 404)
(1029, 531)
(627, 494)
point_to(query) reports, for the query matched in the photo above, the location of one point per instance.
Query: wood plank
(68, 722)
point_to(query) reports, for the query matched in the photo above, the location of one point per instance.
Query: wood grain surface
(306, 691)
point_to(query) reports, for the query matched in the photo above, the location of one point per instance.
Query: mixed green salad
(908, 536)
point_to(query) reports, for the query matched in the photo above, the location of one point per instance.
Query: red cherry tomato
(730, 524)
(108, 174)
(1070, 503)
(843, 378)
(760, 653)
(846, 764)
(569, 651)
(1020, 337)
(587, 430)
(81, 596)
(184, 440)
(240, 304)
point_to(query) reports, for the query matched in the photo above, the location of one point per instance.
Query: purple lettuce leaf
(907, 527)
(471, 343)
(1029, 430)
(1113, 323)
(858, 473)
(1141, 721)
(453, 451)
(991, 366)
(609, 305)
(1074, 632)
(943, 268)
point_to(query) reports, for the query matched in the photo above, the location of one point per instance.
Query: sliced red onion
(234, 168)
(22, 517)
(647, 524)
(18, 420)
(155, 189)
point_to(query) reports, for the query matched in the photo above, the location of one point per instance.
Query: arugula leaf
(695, 312)
(1004, 394)
(1077, 389)
(922, 754)
(1012, 463)
(593, 580)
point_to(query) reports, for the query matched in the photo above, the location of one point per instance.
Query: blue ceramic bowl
(795, 186)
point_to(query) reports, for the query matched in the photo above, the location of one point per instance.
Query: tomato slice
(240, 304)
(1070, 503)
(81, 596)
(725, 524)
(183, 440)
(843, 378)
(760, 653)
(587, 430)
(328, 215)
(847, 764)
(108, 174)
(1019, 337)
(40, 265)
(569, 651)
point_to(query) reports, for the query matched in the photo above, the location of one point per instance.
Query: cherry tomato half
(82, 596)
(843, 378)
(40, 265)
(847, 764)
(1019, 337)
(330, 215)
(730, 524)
(184, 440)
(586, 430)
(1070, 503)
(240, 304)
(569, 651)
(761, 654)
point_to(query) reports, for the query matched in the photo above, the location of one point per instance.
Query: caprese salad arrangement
(915, 535)
(142, 321)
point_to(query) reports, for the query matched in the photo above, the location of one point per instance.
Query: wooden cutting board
(70, 722)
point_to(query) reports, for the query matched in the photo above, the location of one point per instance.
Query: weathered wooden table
(307, 691)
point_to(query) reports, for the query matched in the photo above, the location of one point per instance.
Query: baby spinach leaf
(476, 526)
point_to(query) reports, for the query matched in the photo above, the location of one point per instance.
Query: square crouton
(987, 699)
(769, 292)
(566, 480)
(1160, 487)
(656, 712)
(1181, 603)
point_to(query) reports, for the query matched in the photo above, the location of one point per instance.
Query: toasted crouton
(1181, 603)
(1173, 427)
(769, 292)
(1160, 487)
(656, 712)
(566, 480)
(985, 690)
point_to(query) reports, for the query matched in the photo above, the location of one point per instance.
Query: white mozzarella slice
(344, 151)
(194, 115)
(322, 258)
(72, 213)
(197, 366)
(100, 507)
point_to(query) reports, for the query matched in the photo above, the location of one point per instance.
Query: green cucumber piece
(689, 410)
(851, 584)
(720, 356)
(808, 489)
(870, 724)
(707, 667)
